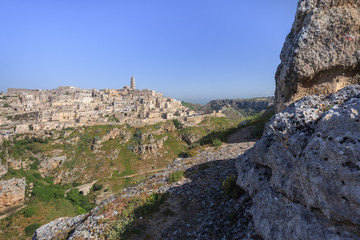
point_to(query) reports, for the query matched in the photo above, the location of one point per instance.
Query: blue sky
(193, 50)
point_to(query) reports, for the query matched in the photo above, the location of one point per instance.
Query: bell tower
(132, 83)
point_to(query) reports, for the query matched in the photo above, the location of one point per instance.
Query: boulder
(322, 52)
(12, 193)
(304, 173)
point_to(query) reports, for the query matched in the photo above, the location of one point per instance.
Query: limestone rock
(57, 229)
(12, 193)
(51, 161)
(304, 173)
(3, 168)
(322, 52)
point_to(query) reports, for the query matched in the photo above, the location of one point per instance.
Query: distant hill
(239, 108)
(193, 106)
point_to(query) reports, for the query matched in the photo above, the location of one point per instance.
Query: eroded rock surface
(304, 173)
(12, 193)
(322, 52)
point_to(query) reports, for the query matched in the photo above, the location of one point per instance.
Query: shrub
(97, 187)
(216, 142)
(151, 205)
(204, 166)
(230, 188)
(113, 119)
(189, 153)
(176, 176)
(74, 196)
(29, 212)
(177, 123)
(30, 229)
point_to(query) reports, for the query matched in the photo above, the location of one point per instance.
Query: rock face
(12, 193)
(304, 173)
(240, 107)
(322, 52)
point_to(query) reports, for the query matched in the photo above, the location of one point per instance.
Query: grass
(230, 188)
(113, 161)
(258, 121)
(175, 176)
(20, 226)
(130, 221)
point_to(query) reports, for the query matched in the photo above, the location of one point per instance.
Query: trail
(141, 173)
(242, 135)
(13, 211)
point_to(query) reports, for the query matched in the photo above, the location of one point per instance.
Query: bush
(30, 229)
(74, 196)
(176, 176)
(230, 188)
(216, 142)
(29, 212)
(97, 187)
(79, 200)
(151, 204)
(46, 193)
(189, 153)
(177, 123)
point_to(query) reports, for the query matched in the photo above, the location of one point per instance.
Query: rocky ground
(197, 206)
(303, 175)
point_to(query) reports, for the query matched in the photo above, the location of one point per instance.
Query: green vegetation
(258, 121)
(175, 176)
(189, 153)
(97, 187)
(79, 200)
(216, 142)
(177, 123)
(230, 188)
(137, 208)
(6, 105)
(192, 106)
(29, 212)
(112, 118)
(30, 230)
(110, 162)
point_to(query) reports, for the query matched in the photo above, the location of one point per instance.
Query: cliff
(12, 193)
(303, 175)
(321, 54)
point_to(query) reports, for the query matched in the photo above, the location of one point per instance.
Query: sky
(192, 50)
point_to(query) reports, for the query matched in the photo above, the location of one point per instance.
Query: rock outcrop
(304, 173)
(12, 193)
(238, 108)
(322, 52)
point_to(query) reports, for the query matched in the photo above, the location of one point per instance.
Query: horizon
(193, 52)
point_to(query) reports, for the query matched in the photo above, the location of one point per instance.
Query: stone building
(68, 106)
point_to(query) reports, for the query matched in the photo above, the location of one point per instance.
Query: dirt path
(142, 173)
(13, 211)
(242, 135)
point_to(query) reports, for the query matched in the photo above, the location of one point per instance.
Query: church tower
(132, 83)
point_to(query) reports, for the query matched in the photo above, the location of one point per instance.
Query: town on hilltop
(24, 110)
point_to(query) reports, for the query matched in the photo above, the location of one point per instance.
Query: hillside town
(24, 110)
